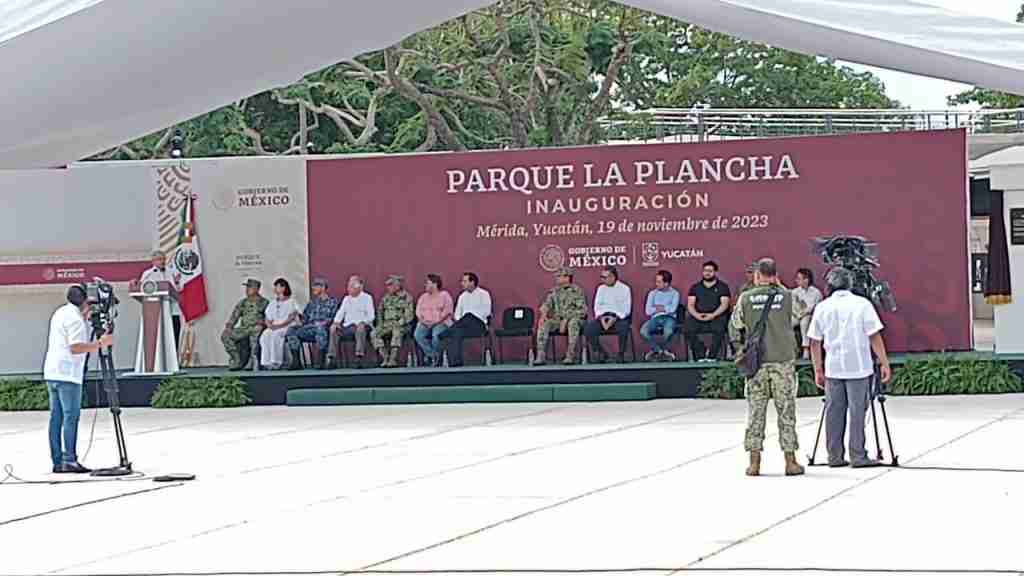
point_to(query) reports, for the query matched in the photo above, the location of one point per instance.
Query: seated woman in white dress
(281, 314)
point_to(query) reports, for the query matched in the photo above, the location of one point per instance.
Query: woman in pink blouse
(434, 312)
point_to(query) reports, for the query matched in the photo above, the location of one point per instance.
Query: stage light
(177, 144)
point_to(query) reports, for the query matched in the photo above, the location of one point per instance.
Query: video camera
(860, 256)
(100, 296)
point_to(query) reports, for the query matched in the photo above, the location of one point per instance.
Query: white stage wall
(1009, 318)
(251, 221)
(81, 214)
(107, 212)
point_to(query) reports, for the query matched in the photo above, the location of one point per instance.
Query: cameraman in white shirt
(63, 371)
(847, 327)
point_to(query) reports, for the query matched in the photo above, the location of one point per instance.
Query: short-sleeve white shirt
(844, 323)
(67, 327)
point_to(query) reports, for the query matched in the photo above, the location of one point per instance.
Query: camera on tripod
(100, 296)
(860, 256)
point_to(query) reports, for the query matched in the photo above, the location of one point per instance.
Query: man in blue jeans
(63, 371)
(662, 303)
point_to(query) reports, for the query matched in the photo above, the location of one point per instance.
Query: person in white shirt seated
(159, 273)
(354, 318)
(282, 314)
(846, 326)
(809, 294)
(63, 372)
(613, 304)
(472, 314)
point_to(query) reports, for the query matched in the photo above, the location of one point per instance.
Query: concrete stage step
(467, 394)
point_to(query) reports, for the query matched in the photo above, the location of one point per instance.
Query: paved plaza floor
(542, 487)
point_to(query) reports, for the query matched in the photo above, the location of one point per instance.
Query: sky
(924, 93)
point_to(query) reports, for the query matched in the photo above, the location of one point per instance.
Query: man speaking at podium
(159, 273)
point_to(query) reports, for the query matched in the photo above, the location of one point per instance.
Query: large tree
(520, 73)
(990, 98)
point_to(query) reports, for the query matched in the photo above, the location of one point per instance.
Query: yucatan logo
(649, 254)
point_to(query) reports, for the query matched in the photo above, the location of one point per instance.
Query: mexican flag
(187, 261)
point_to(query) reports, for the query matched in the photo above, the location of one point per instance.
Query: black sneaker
(839, 464)
(73, 468)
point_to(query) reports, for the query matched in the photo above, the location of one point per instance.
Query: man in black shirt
(707, 307)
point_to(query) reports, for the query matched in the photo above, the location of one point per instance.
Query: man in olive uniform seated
(564, 310)
(394, 314)
(245, 325)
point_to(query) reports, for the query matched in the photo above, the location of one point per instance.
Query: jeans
(429, 340)
(663, 325)
(65, 408)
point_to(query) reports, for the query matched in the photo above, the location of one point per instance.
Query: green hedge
(179, 392)
(939, 374)
(955, 374)
(725, 382)
(22, 394)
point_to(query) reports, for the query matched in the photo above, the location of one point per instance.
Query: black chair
(487, 337)
(630, 343)
(516, 322)
(557, 333)
(705, 335)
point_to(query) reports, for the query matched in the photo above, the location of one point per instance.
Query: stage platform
(498, 383)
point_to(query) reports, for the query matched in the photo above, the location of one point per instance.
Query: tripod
(106, 360)
(877, 392)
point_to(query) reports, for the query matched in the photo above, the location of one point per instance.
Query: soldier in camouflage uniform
(316, 323)
(394, 313)
(749, 283)
(245, 324)
(564, 310)
(776, 380)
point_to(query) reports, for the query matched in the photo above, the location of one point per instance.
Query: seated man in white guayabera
(354, 319)
(282, 313)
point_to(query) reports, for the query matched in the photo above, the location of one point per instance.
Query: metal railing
(709, 124)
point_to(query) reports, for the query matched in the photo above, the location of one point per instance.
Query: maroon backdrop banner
(515, 216)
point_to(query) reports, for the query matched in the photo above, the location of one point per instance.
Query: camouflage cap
(394, 279)
(564, 271)
(252, 283)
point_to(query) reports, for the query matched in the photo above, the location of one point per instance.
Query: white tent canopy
(81, 76)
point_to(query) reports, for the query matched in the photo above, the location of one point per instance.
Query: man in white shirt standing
(613, 304)
(354, 318)
(159, 273)
(847, 327)
(472, 313)
(63, 371)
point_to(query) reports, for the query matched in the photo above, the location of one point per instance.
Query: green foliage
(725, 382)
(949, 374)
(179, 392)
(18, 394)
(519, 73)
(22, 394)
(933, 375)
(805, 383)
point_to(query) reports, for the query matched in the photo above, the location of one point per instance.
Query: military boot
(793, 468)
(755, 463)
(570, 358)
(392, 358)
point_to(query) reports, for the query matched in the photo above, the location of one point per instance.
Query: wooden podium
(157, 352)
